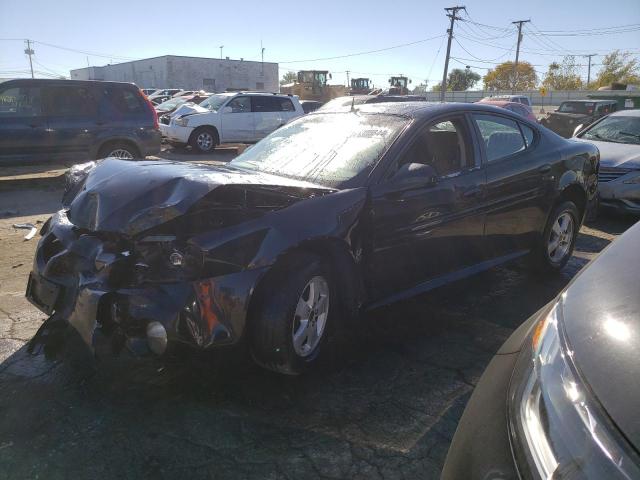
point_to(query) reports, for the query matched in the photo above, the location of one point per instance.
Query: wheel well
(343, 268)
(576, 194)
(201, 127)
(129, 143)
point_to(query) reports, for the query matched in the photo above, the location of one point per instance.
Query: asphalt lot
(384, 407)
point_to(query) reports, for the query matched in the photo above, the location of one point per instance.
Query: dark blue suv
(41, 120)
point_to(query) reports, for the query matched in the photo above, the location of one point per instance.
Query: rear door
(267, 113)
(427, 231)
(238, 123)
(72, 113)
(518, 182)
(23, 125)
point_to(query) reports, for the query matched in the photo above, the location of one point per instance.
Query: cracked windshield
(398, 242)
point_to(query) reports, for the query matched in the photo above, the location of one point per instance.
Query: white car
(237, 117)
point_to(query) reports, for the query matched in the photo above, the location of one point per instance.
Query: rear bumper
(152, 144)
(91, 290)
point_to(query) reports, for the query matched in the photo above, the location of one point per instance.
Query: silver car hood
(613, 154)
(188, 109)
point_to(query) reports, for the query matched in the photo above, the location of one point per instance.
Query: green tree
(459, 79)
(619, 67)
(502, 77)
(563, 76)
(288, 77)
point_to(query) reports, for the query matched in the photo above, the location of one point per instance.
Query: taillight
(154, 114)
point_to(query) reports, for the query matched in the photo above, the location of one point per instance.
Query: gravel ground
(385, 407)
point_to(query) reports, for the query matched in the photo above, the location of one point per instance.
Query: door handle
(544, 168)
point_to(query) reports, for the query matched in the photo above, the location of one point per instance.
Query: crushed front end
(142, 294)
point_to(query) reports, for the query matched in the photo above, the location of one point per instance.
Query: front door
(237, 121)
(430, 230)
(519, 182)
(23, 126)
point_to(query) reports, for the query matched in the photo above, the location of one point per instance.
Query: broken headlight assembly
(182, 121)
(162, 258)
(558, 429)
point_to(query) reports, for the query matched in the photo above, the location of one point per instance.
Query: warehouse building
(190, 73)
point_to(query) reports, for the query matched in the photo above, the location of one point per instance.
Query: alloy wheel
(310, 317)
(560, 238)
(204, 141)
(121, 153)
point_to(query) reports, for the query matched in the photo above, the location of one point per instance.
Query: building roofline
(176, 56)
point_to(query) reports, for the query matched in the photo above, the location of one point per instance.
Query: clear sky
(306, 30)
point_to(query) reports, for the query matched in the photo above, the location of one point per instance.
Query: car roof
(420, 110)
(499, 103)
(589, 101)
(263, 94)
(38, 82)
(626, 113)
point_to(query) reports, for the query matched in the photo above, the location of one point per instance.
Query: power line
(365, 52)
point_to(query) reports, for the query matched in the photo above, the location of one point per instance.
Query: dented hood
(130, 197)
(188, 108)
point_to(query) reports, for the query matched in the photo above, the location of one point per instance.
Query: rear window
(125, 101)
(577, 107)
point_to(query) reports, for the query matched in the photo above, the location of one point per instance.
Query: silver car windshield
(214, 102)
(327, 149)
(616, 129)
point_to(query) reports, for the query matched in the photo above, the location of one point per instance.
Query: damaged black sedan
(329, 215)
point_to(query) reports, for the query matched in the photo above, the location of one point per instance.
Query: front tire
(204, 139)
(293, 311)
(558, 240)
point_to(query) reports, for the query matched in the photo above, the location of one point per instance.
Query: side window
(240, 105)
(286, 105)
(442, 145)
(20, 102)
(528, 134)
(614, 107)
(501, 136)
(124, 101)
(262, 103)
(72, 102)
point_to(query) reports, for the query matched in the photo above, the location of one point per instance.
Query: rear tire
(294, 309)
(204, 139)
(558, 240)
(122, 150)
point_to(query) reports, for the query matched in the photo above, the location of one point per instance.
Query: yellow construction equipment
(312, 85)
(399, 85)
(360, 86)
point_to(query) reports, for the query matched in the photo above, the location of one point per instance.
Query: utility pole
(515, 65)
(221, 47)
(452, 14)
(589, 68)
(262, 52)
(29, 51)
(348, 84)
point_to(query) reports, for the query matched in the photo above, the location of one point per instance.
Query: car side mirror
(414, 175)
(577, 129)
(227, 110)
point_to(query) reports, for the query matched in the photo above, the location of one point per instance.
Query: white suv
(238, 117)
